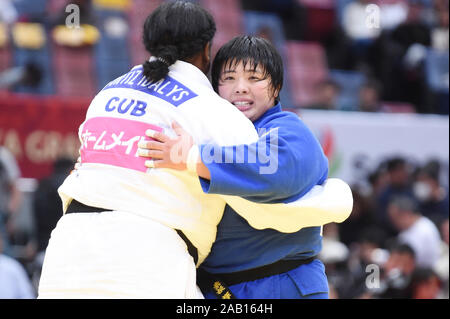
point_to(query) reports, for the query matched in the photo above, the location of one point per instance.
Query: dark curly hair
(175, 31)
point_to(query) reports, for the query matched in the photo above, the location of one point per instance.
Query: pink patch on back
(114, 141)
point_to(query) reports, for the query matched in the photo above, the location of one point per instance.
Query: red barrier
(38, 130)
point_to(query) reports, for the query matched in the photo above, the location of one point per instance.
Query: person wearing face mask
(253, 262)
(398, 184)
(432, 197)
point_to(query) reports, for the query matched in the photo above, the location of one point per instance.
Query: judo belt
(218, 283)
(77, 207)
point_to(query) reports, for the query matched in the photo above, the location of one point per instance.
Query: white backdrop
(355, 143)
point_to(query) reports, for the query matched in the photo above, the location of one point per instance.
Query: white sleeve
(225, 124)
(331, 202)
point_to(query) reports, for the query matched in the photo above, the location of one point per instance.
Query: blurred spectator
(10, 195)
(415, 230)
(399, 183)
(347, 271)
(14, 281)
(47, 205)
(291, 13)
(29, 75)
(425, 284)
(433, 198)
(266, 33)
(326, 96)
(332, 294)
(442, 266)
(47, 209)
(355, 17)
(439, 32)
(8, 13)
(397, 59)
(397, 272)
(338, 47)
(356, 27)
(334, 255)
(361, 218)
(444, 232)
(392, 13)
(414, 29)
(333, 249)
(378, 180)
(408, 77)
(371, 243)
(369, 97)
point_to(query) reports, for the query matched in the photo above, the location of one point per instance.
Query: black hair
(402, 248)
(372, 234)
(63, 165)
(421, 275)
(251, 50)
(373, 84)
(329, 82)
(405, 203)
(395, 163)
(431, 169)
(176, 30)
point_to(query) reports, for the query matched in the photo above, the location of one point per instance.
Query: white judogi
(138, 237)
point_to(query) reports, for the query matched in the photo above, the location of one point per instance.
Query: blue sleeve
(281, 167)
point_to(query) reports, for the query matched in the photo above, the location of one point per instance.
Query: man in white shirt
(415, 230)
(14, 280)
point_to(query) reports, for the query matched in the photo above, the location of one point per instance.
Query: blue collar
(274, 109)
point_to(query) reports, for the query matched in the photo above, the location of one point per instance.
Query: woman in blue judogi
(283, 166)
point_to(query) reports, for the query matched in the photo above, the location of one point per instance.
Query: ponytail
(157, 68)
(175, 31)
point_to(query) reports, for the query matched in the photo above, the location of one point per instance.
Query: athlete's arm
(167, 152)
(330, 202)
(285, 163)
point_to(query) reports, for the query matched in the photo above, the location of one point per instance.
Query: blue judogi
(238, 246)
